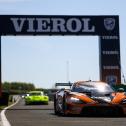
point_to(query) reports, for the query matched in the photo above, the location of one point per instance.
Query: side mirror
(120, 90)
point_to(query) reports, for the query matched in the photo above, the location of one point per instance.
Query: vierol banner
(104, 26)
(58, 25)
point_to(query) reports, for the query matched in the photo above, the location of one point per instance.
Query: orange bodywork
(77, 108)
(77, 103)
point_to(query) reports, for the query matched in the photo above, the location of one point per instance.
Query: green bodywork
(35, 97)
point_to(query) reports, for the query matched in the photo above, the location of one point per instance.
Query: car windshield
(96, 88)
(35, 94)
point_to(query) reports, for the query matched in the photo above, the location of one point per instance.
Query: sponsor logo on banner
(73, 25)
(109, 23)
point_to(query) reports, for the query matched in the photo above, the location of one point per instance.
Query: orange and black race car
(88, 97)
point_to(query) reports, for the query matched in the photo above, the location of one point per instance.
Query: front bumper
(36, 101)
(84, 109)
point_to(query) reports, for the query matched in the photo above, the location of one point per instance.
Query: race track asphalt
(43, 115)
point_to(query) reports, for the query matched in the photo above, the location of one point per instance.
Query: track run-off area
(43, 115)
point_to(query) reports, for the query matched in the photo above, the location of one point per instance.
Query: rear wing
(63, 84)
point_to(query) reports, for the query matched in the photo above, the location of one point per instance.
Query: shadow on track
(91, 115)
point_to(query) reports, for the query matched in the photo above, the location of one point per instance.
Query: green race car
(36, 97)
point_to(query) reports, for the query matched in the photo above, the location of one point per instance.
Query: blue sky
(44, 60)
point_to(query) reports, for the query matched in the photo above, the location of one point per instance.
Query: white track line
(4, 120)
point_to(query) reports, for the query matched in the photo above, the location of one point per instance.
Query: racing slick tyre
(64, 106)
(55, 106)
(26, 103)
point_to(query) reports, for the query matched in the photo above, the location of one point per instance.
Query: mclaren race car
(88, 97)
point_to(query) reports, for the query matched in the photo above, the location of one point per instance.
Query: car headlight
(75, 100)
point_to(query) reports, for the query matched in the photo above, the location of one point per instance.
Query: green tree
(18, 87)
